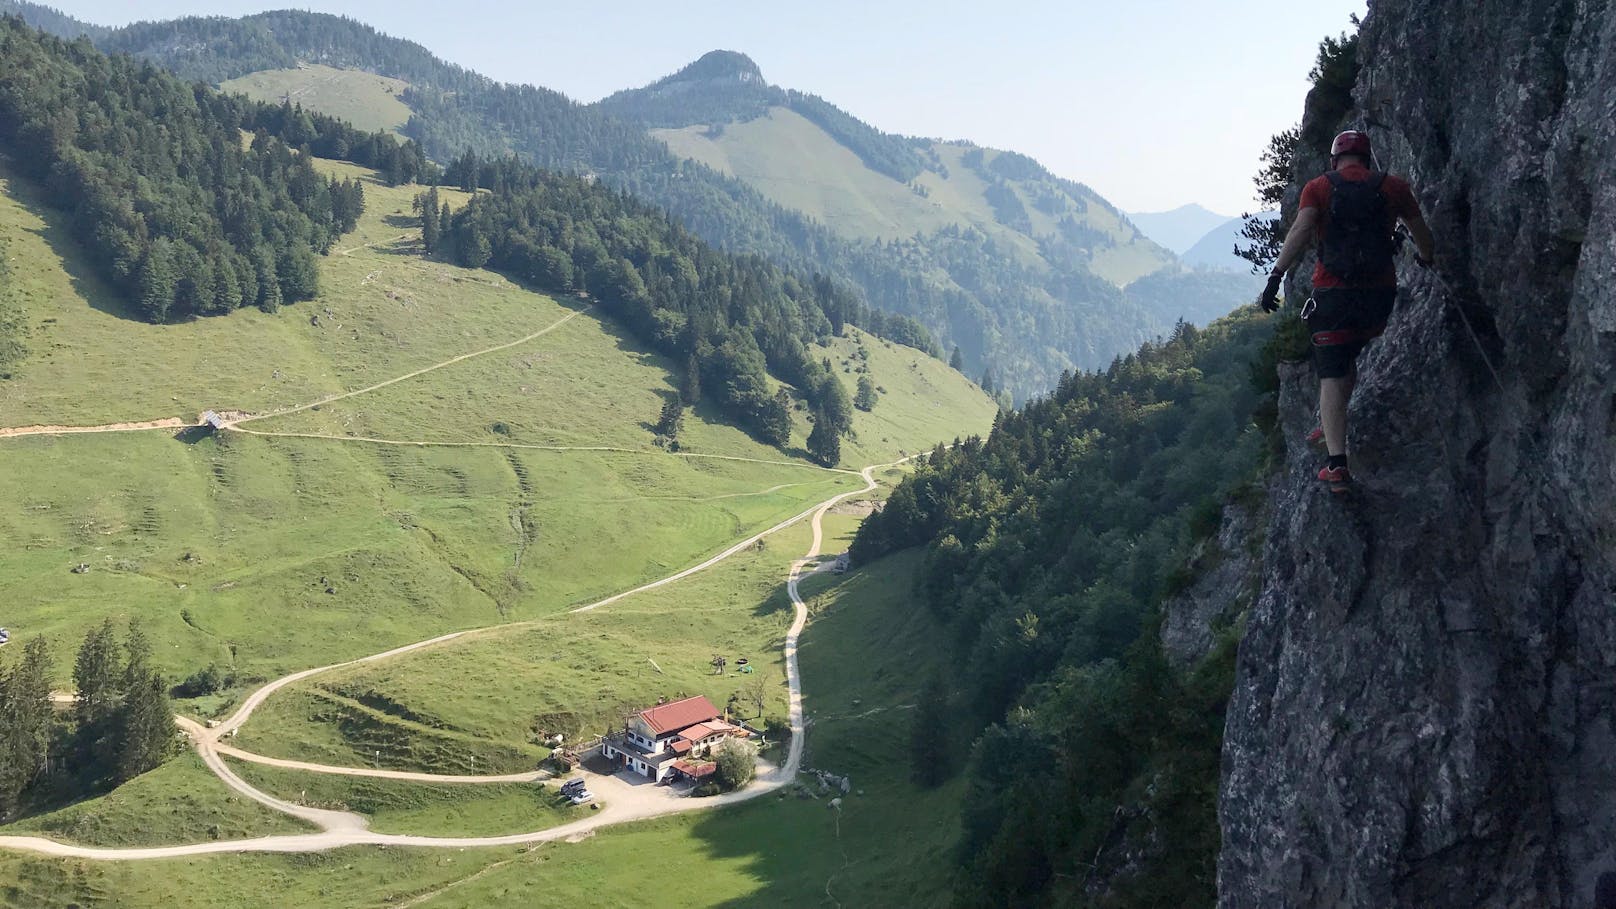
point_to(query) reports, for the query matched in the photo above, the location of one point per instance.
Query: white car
(582, 797)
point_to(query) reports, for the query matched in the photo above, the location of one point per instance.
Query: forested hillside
(1049, 546)
(154, 173)
(1021, 309)
(729, 319)
(161, 188)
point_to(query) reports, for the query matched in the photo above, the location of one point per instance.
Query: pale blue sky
(1154, 103)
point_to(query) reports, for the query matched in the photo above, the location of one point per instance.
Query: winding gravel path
(341, 828)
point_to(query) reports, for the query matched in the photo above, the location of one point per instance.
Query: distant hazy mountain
(1216, 248)
(1177, 229)
(52, 20)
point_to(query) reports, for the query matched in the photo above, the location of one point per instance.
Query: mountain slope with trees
(159, 186)
(1014, 286)
(1050, 546)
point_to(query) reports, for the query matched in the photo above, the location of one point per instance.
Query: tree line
(121, 724)
(1049, 546)
(730, 320)
(1026, 321)
(159, 187)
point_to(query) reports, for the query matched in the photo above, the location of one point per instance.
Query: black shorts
(1343, 320)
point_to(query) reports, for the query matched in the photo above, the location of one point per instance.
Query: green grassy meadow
(368, 101)
(864, 656)
(572, 673)
(426, 506)
(179, 802)
(271, 553)
(426, 809)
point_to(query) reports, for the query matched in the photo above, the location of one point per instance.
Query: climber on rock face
(1352, 213)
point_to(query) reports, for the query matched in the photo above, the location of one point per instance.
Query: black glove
(1269, 301)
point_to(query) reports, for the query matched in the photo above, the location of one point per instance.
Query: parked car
(582, 797)
(573, 785)
(4, 636)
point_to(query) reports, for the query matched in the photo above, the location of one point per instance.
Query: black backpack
(1358, 244)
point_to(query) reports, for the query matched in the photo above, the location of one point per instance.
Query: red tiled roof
(702, 730)
(679, 746)
(707, 768)
(677, 715)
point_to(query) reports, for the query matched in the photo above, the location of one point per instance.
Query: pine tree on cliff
(956, 362)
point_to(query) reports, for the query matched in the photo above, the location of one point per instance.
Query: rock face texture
(1225, 572)
(1424, 706)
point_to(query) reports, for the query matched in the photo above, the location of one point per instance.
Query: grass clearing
(890, 844)
(368, 101)
(575, 673)
(397, 806)
(272, 555)
(179, 802)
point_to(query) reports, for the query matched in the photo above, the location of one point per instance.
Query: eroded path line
(177, 423)
(138, 426)
(524, 446)
(419, 372)
(341, 829)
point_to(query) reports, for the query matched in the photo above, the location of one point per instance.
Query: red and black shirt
(1399, 204)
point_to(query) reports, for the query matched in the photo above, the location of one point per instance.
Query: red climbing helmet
(1351, 142)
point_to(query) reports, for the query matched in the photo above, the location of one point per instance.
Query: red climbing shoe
(1316, 437)
(1339, 478)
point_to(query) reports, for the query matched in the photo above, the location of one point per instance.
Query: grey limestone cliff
(1425, 697)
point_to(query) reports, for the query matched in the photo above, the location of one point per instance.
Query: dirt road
(625, 801)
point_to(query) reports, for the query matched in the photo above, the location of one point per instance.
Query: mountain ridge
(1023, 307)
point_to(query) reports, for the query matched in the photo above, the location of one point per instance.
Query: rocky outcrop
(1424, 707)
(1224, 569)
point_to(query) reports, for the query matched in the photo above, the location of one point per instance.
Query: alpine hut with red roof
(671, 739)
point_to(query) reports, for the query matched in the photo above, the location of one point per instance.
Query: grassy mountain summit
(810, 156)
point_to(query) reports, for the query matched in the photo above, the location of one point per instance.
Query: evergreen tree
(834, 405)
(824, 442)
(865, 400)
(956, 361)
(928, 737)
(472, 248)
(96, 675)
(25, 723)
(774, 419)
(427, 205)
(670, 422)
(690, 382)
(146, 722)
(158, 280)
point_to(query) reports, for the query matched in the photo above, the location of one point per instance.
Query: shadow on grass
(58, 235)
(887, 842)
